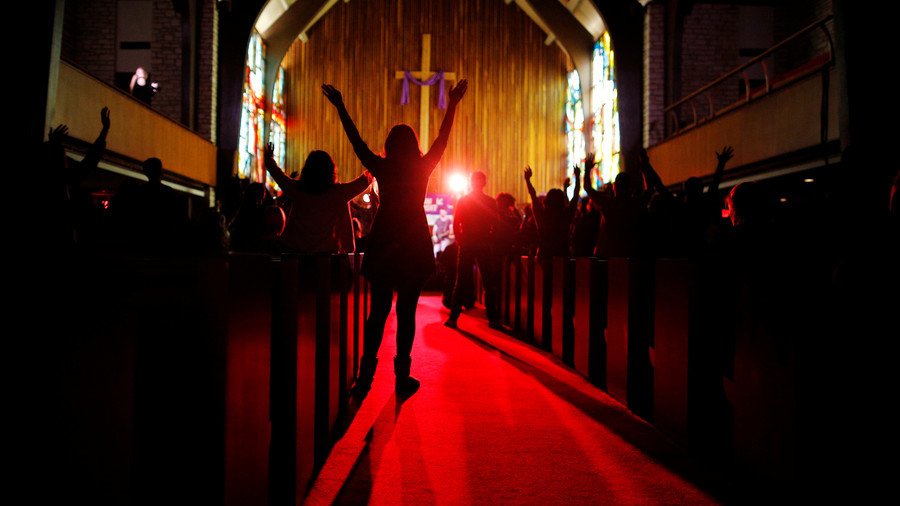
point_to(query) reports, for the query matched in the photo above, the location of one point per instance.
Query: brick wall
(709, 49)
(654, 73)
(206, 75)
(791, 17)
(90, 41)
(166, 61)
(89, 37)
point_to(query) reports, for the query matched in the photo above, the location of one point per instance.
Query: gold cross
(422, 75)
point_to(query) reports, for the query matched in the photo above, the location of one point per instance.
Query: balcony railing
(676, 113)
(137, 132)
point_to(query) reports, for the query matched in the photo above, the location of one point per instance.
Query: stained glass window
(574, 124)
(250, 146)
(604, 111)
(278, 125)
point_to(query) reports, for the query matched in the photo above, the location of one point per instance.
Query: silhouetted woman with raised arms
(318, 220)
(399, 254)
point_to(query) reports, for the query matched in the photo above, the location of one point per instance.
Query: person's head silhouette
(479, 181)
(693, 189)
(318, 172)
(555, 200)
(505, 201)
(153, 170)
(746, 204)
(402, 143)
(255, 194)
(623, 187)
(53, 157)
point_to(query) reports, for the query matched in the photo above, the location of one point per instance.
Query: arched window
(278, 125)
(575, 143)
(604, 111)
(250, 146)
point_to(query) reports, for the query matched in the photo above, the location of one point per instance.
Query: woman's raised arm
(365, 155)
(457, 92)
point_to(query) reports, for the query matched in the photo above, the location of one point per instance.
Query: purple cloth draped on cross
(438, 76)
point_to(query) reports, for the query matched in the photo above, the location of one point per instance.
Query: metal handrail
(756, 59)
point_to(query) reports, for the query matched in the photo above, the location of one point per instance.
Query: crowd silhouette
(736, 236)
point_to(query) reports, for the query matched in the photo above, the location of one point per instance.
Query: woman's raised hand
(104, 117)
(332, 94)
(458, 91)
(57, 134)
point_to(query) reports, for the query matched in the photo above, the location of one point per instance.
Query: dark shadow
(624, 424)
(357, 488)
(345, 419)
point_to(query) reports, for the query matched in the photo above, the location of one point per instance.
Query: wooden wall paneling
(513, 114)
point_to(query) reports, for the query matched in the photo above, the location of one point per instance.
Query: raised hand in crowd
(458, 91)
(104, 118)
(332, 94)
(726, 154)
(57, 134)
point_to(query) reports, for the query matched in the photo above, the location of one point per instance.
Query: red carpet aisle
(487, 427)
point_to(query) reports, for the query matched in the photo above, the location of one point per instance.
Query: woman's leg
(407, 300)
(373, 332)
(382, 296)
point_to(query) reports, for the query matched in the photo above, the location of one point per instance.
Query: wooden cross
(423, 74)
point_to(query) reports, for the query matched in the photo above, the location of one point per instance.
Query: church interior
(726, 227)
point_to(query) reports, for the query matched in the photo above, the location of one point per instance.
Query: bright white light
(782, 200)
(808, 180)
(458, 183)
(366, 198)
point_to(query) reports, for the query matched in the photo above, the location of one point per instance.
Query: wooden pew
(542, 328)
(175, 356)
(676, 303)
(526, 300)
(562, 309)
(589, 319)
(508, 289)
(218, 379)
(775, 306)
(356, 320)
(312, 333)
(289, 432)
(629, 372)
(248, 376)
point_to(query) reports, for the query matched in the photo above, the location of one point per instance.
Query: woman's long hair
(318, 172)
(402, 144)
(555, 203)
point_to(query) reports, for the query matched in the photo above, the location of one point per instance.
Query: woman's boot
(405, 384)
(363, 383)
